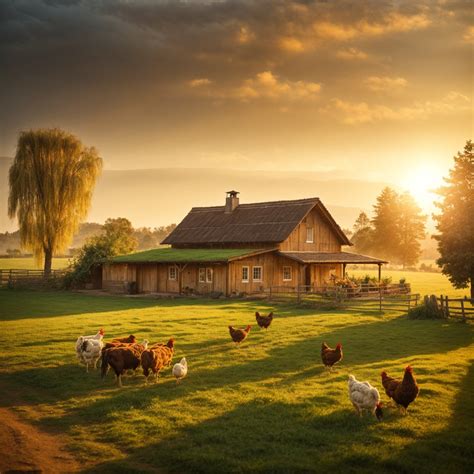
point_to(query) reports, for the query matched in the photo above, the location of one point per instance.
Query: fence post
(463, 312)
(298, 295)
(441, 303)
(270, 294)
(380, 297)
(446, 301)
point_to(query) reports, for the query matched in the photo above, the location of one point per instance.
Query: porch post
(344, 270)
(380, 271)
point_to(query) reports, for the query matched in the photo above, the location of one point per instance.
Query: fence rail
(29, 278)
(461, 308)
(367, 297)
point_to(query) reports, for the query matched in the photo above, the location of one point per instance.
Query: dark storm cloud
(189, 75)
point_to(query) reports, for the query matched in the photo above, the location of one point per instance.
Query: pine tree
(363, 234)
(455, 223)
(411, 230)
(385, 223)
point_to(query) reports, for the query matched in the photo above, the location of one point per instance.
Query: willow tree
(51, 183)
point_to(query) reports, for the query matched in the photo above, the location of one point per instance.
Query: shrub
(429, 309)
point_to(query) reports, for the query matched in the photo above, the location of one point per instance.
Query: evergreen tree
(411, 230)
(385, 223)
(455, 223)
(363, 234)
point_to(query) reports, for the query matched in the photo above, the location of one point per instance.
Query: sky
(372, 90)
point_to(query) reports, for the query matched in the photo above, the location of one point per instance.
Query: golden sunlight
(421, 183)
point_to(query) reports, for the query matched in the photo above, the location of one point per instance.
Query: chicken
(331, 356)
(239, 335)
(125, 340)
(180, 370)
(122, 358)
(365, 397)
(264, 321)
(88, 349)
(156, 358)
(402, 393)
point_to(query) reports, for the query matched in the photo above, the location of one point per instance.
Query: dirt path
(25, 448)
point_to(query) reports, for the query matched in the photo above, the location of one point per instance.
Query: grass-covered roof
(169, 255)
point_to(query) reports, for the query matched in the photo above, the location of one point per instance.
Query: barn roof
(168, 255)
(257, 222)
(331, 257)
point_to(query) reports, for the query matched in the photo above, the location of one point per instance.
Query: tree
(363, 234)
(120, 233)
(51, 182)
(411, 230)
(117, 239)
(386, 238)
(455, 223)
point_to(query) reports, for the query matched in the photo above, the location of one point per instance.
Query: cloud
(291, 44)
(385, 83)
(394, 22)
(352, 113)
(469, 34)
(352, 54)
(267, 85)
(199, 82)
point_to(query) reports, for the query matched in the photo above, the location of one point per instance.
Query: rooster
(88, 349)
(402, 393)
(180, 369)
(365, 397)
(331, 356)
(239, 335)
(264, 321)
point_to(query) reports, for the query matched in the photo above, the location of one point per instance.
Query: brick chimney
(231, 201)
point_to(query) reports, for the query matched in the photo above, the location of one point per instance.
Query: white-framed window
(287, 274)
(209, 274)
(172, 273)
(202, 275)
(245, 274)
(257, 273)
(309, 235)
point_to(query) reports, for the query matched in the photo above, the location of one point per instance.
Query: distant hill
(156, 197)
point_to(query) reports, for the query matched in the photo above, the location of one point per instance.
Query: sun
(421, 183)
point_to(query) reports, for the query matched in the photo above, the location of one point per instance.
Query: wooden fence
(365, 297)
(30, 278)
(461, 308)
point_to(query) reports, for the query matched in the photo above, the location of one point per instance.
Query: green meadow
(268, 406)
(29, 263)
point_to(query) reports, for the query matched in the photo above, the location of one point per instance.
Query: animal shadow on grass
(254, 437)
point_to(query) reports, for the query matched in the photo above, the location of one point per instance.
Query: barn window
(202, 275)
(286, 273)
(172, 273)
(209, 273)
(245, 274)
(257, 274)
(309, 235)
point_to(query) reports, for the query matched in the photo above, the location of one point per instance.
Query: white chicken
(88, 349)
(365, 397)
(180, 369)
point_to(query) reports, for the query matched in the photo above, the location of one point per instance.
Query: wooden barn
(240, 248)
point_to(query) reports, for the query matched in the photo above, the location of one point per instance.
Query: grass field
(268, 406)
(28, 263)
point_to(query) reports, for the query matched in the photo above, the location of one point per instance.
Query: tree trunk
(472, 288)
(48, 258)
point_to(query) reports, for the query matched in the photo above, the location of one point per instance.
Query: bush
(429, 309)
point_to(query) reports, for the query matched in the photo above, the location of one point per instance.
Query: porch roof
(170, 255)
(331, 257)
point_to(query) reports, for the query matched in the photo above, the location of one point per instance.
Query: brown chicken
(331, 356)
(156, 358)
(126, 340)
(239, 335)
(264, 321)
(402, 393)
